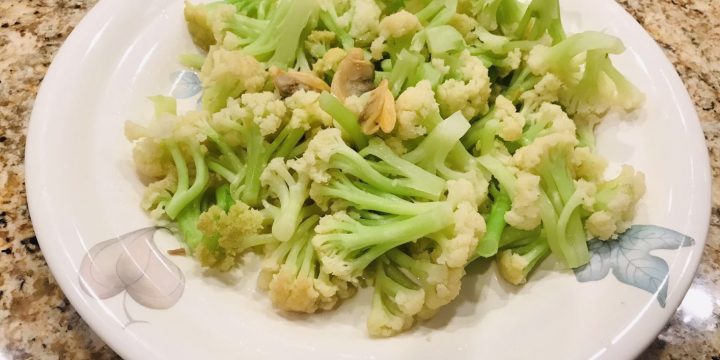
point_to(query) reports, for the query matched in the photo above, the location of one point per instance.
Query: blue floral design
(630, 261)
(185, 84)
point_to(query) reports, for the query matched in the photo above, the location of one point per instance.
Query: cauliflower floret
(530, 156)
(383, 322)
(226, 122)
(601, 224)
(458, 244)
(318, 42)
(585, 191)
(377, 48)
(525, 211)
(615, 203)
(511, 123)
(151, 158)
(459, 191)
(587, 164)
(394, 26)
(288, 292)
(417, 288)
(464, 25)
(470, 92)
(439, 65)
(329, 62)
(547, 90)
(363, 19)
(206, 27)
(157, 194)
(265, 109)
(554, 115)
(306, 111)
(515, 264)
(511, 62)
(357, 104)
(293, 278)
(226, 235)
(442, 293)
(399, 24)
(314, 161)
(191, 126)
(511, 266)
(227, 74)
(396, 144)
(413, 106)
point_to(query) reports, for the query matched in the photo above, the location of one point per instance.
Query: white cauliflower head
(511, 122)
(399, 24)
(615, 203)
(588, 165)
(364, 20)
(469, 92)
(458, 247)
(413, 106)
(329, 62)
(265, 109)
(525, 211)
(306, 111)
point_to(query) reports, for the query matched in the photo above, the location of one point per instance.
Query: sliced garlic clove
(354, 75)
(379, 113)
(289, 82)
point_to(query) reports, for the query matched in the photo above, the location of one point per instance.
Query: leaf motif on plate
(132, 263)
(630, 260)
(185, 84)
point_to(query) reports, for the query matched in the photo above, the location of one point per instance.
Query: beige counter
(36, 321)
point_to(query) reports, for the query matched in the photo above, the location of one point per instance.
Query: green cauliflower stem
(327, 151)
(409, 288)
(602, 88)
(290, 191)
(282, 42)
(516, 263)
(346, 246)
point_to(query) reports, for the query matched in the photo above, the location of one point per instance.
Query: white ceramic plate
(82, 190)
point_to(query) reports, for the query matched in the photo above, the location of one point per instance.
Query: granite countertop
(36, 321)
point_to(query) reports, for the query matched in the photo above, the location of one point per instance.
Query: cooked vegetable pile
(388, 144)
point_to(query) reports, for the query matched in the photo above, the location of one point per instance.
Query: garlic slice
(354, 75)
(379, 114)
(289, 82)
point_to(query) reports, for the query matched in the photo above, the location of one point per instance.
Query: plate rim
(44, 228)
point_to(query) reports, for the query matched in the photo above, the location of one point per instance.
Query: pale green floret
(292, 276)
(468, 90)
(615, 202)
(327, 151)
(516, 263)
(417, 111)
(228, 74)
(291, 193)
(511, 122)
(346, 246)
(226, 235)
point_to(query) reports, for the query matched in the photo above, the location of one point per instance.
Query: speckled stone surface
(37, 322)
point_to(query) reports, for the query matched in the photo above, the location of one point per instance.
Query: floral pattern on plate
(630, 260)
